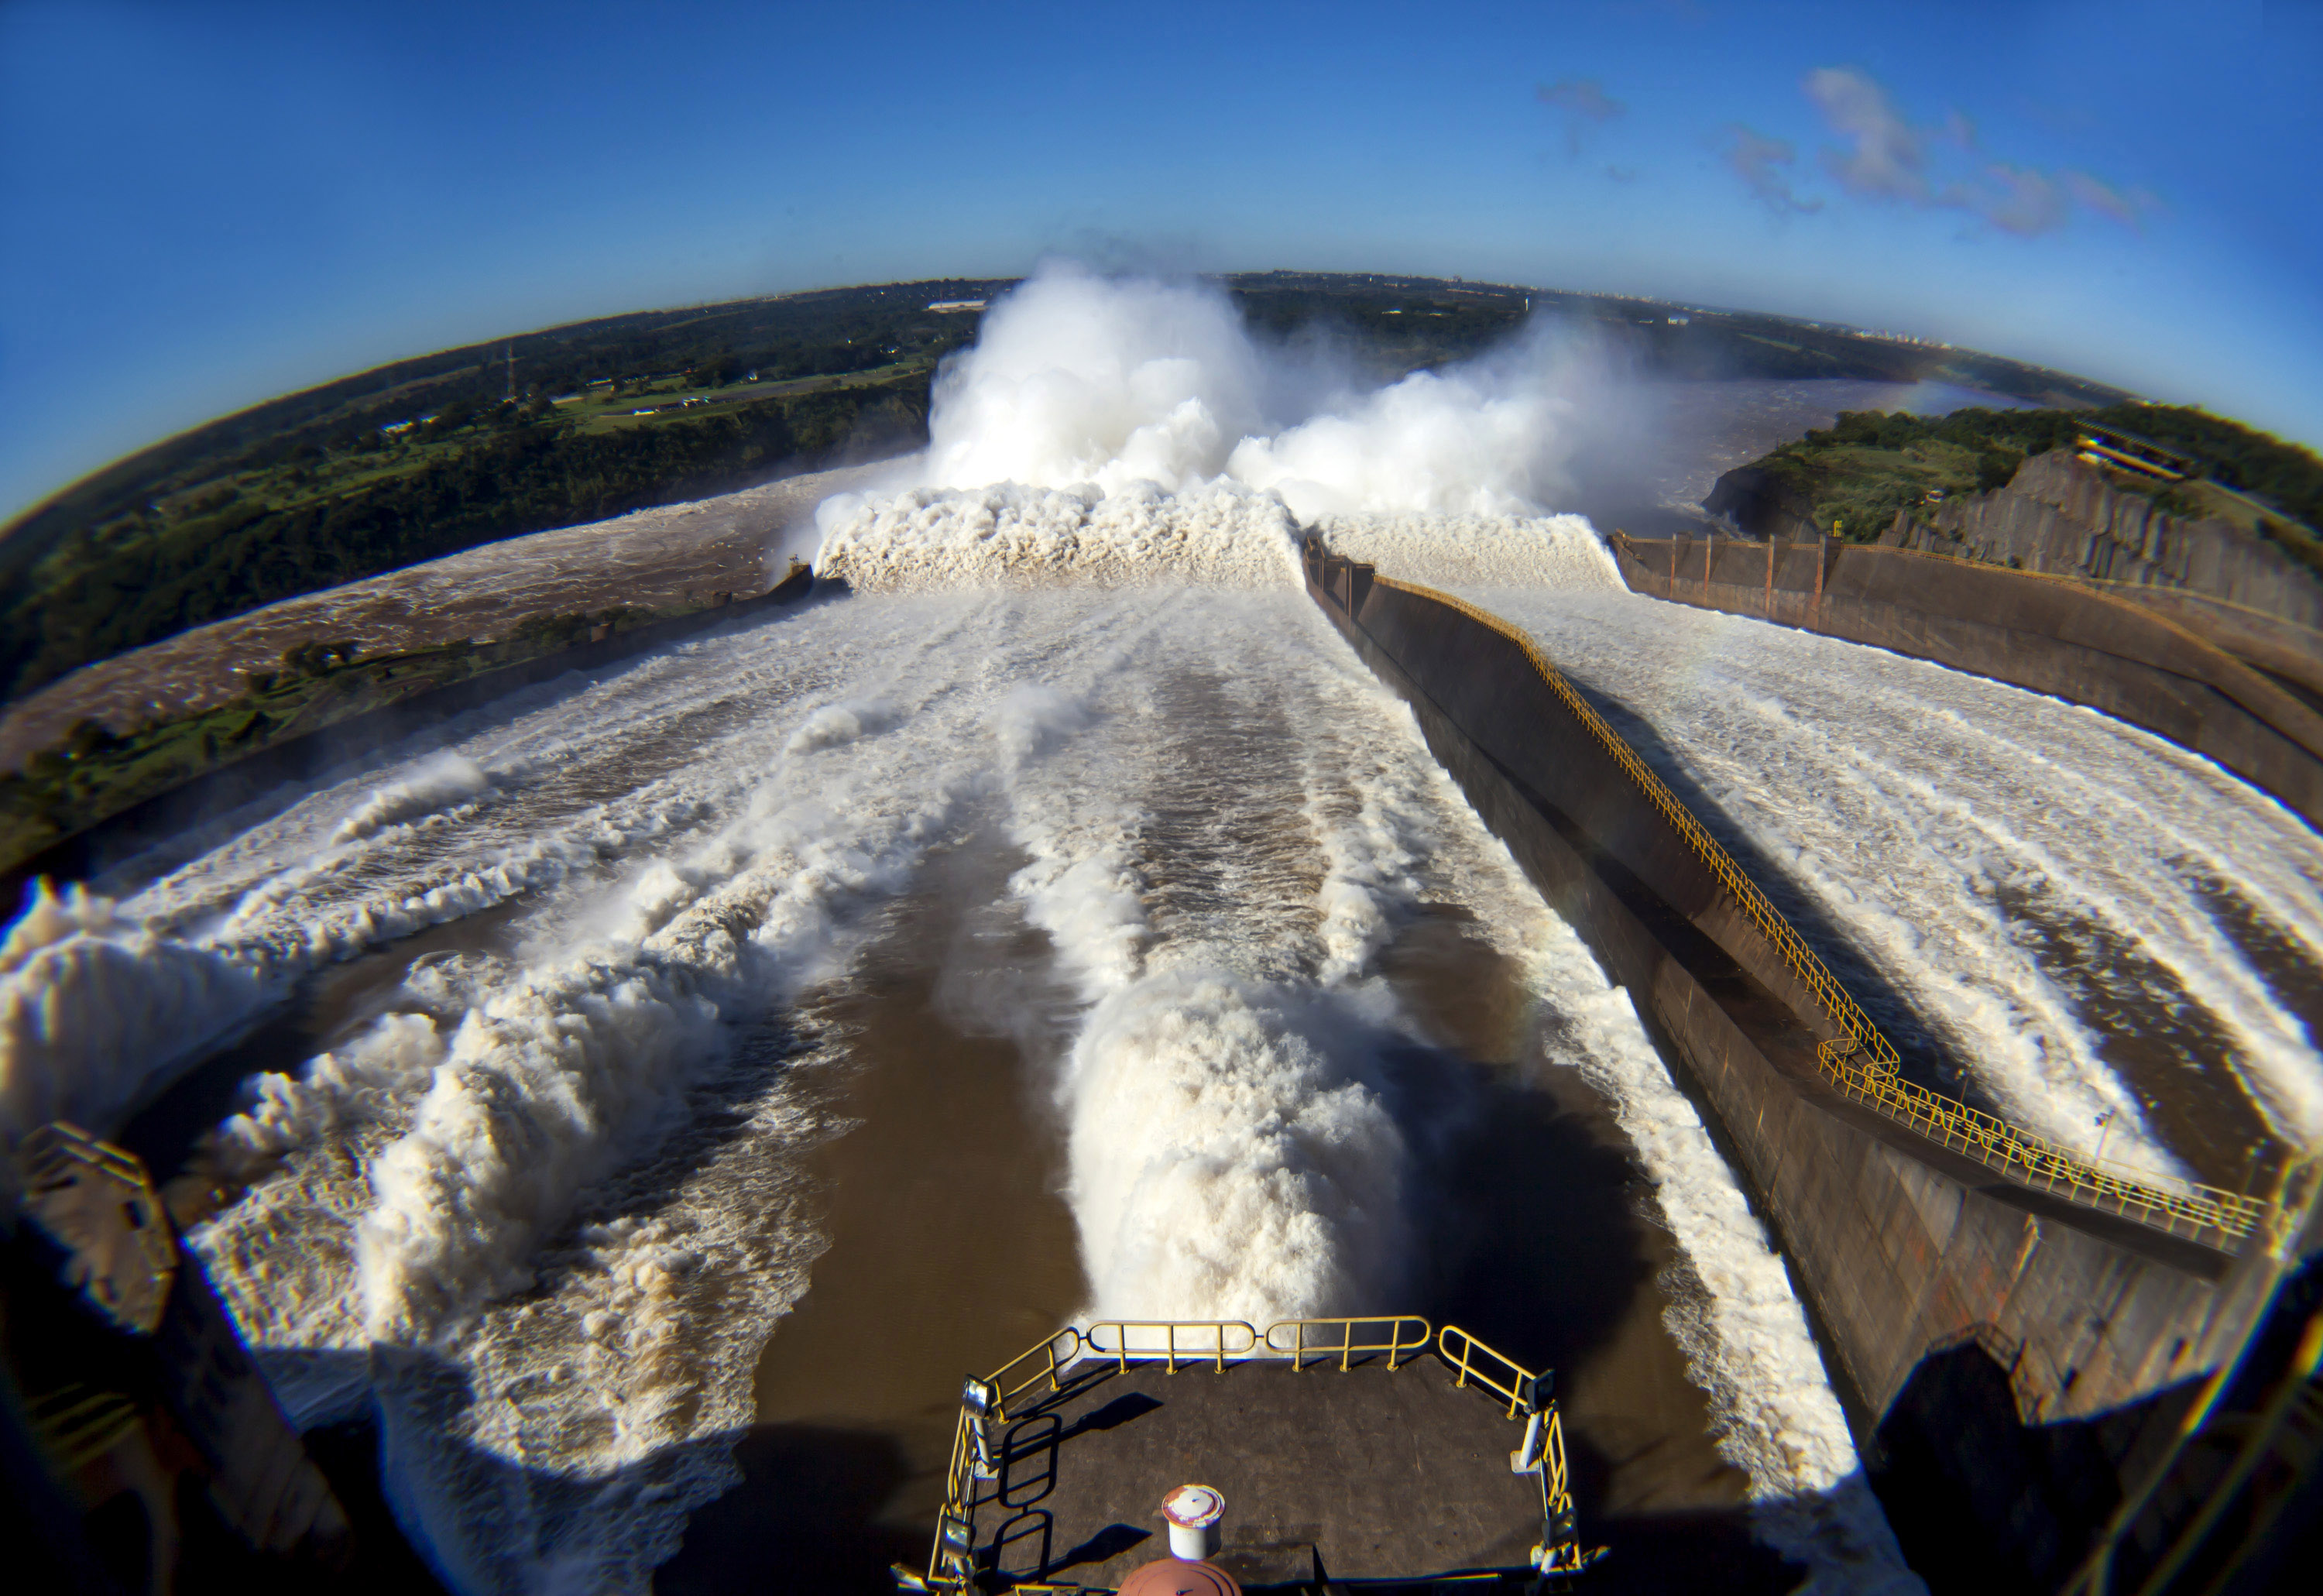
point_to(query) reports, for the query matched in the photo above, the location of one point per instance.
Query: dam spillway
(1906, 1258)
(624, 1109)
(971, 874)
(657, 940)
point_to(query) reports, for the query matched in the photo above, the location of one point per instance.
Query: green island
(1859, 472)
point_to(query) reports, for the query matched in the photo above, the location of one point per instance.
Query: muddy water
(874, 1175)
(950, 1249)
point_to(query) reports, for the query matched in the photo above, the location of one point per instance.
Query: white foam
(1229, 1159)
(1014, 537)
(1476, 550)
(833, 724)
(1230, 1155)
(1926, 811)
(98, 1012)
(1123, 430)
(1745, 1339)
(445, 780)
(1734, 1315)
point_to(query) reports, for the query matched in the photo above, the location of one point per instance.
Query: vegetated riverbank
(1862, 473)
(327, 704)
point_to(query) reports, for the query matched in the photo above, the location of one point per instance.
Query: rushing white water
(2023, 871)
(540, 1204)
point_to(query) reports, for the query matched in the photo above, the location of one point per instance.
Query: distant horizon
(210, 205)
(23, 513)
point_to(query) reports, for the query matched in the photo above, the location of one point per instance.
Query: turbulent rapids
(539, 1195)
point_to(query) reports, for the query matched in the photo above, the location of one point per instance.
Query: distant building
(2125, 451)
(951, 305)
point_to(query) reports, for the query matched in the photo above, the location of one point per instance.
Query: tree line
(246, 554)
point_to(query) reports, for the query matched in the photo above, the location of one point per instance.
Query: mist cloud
(1078, 381)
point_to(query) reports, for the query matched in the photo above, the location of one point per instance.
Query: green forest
(501, 477)
(433, 455)
(1868, 465)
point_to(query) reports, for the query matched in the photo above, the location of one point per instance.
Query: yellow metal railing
(1860, 1062)
(1474, 1364)
(1190, 1341)
(1215, 1344)
(1526, 1393)
(1315, 1336)
(1034, 1366)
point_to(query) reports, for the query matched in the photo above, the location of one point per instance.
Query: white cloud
(1763, 164)
(1584, 104)
(1889, 158)
(1884, 156)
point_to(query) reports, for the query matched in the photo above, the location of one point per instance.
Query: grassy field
(98, 773)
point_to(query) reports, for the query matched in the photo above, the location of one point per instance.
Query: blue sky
(204, 205)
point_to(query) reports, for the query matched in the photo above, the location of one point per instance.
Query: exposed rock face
(2062, 516)
(1753, 502)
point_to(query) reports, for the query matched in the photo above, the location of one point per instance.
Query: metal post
(1822, 552)
(1526, 1458)
(1709, 558)
(1770, 576)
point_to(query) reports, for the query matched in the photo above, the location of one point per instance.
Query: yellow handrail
(1347, 1345)
(952, 1563)
(1495, 1371)
(1860, 1061)
(1227, 1338)
(1045, 1361)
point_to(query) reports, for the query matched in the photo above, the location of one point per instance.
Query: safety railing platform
(1036, 1392)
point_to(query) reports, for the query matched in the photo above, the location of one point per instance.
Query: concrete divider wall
(1900, 1248)
(2047, 633)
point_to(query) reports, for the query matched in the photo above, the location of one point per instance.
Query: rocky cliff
(2060, 514)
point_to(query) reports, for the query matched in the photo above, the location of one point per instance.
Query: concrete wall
(1902, 1251)
(2050, 636)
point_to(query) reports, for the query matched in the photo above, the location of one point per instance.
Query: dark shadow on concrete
(1528, 1220)
(1120, 1411)
(1952, 1452)
(1103, 1546)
